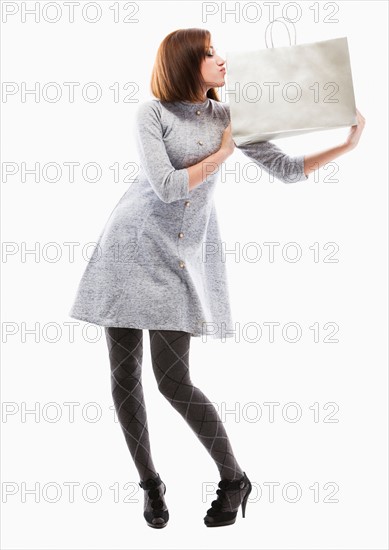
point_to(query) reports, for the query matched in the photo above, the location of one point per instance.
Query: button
(182, 264)
(180, 235)
(198, 112)
(200, 142)
(187, 203)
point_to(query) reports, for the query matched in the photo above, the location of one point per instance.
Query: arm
(275, 161)
(294, 169)
(169, 183)
(316, 160)
(200, 171)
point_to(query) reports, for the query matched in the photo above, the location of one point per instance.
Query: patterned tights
(170, 360)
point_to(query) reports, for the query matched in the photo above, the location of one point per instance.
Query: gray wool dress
(157, 263)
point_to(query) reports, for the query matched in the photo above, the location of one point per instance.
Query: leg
(125, 347)
(170, 359)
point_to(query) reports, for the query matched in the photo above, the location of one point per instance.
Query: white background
(50, 365)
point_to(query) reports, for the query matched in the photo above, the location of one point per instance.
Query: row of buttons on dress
(199, 142)
(181, 263)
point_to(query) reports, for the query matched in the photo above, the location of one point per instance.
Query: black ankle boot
(155, 511)
(231, 494)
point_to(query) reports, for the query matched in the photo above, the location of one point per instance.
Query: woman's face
(213, 69)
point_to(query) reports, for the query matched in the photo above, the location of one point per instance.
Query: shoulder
(222, 109)
(222, 105)
(151, 108)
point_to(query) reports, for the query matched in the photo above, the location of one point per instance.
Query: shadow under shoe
(231, 494)
(155, 510)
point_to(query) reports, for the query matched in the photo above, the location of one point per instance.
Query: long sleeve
(168, 183)
(275, 161)
(272, 159)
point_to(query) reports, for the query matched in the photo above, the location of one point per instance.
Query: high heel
(224, 509)
(244, 502)
(155, 511)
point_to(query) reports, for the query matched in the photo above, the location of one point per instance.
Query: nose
(221, 59)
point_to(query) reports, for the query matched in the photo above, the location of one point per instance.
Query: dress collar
(194, 105)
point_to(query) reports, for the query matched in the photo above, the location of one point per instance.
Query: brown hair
(176, 74)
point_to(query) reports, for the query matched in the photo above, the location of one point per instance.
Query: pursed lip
(222, 70)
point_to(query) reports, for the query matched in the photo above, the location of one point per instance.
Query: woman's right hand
(227, 144)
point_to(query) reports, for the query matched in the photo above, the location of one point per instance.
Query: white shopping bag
(285, 91)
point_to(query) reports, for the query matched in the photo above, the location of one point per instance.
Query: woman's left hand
(355, 132)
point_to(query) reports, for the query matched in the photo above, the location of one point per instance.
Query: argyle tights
(170, 361)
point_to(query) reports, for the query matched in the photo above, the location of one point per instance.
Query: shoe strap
(151, 483)
(228, 485)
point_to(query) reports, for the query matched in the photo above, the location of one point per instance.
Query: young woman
(158, 266)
